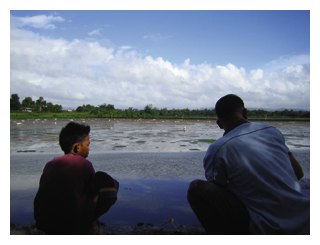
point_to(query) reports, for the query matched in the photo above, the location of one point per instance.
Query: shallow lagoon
(154, 161)
(143, 135)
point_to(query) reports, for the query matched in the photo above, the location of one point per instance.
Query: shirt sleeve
(89, 167)
(215, 169)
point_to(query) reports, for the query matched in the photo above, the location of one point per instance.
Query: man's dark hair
(228, 105)
(72, 133)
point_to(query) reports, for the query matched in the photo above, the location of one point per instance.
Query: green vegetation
(42, 109)
(207, 140)
(14, 102)
(63, 114)
(40, 105)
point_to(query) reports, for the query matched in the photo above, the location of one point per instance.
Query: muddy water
(154, 161)
(110, 135)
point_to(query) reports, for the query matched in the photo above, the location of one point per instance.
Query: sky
(168, 58)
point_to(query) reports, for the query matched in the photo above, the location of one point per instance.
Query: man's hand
(296, 167)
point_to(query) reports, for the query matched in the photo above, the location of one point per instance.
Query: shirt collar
(236, 124)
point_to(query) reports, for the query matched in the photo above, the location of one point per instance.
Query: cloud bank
(39, 21)
(72, 73)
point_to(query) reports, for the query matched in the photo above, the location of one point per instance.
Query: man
(252, 182)
(71, 195)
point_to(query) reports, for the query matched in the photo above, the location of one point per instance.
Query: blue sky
(173, 59)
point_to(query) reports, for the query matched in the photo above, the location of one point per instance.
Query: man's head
(230, 108)
(74, 138)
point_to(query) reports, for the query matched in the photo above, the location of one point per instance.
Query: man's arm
(296, 167)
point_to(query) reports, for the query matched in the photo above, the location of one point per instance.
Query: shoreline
(140, 229)
(161, 118)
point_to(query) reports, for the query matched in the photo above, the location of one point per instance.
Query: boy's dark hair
(228, 105)
(72, 133)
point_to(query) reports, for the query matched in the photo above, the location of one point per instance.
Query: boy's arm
(296, 167)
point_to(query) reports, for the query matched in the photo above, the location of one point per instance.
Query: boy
(71, 195)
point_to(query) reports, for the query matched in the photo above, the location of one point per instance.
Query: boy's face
(84, 147)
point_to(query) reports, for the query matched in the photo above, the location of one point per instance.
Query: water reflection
(153, 186)
(140, 200)
(151, 201)
(152, 189)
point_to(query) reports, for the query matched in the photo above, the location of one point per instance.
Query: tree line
(108, 110)
(40, 105)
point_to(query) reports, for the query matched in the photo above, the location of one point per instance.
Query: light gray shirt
(253, 161)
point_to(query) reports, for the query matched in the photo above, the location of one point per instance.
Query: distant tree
(129, 112)
(155, 112)
(292, 113)
(110, 108)
(49, 106)
(103, 107)
(14, 102)
(79, 109)
(88, 108)
(27, 102)
(214, 113)
(174, 112)
(186, 112)
(40, 102)
(57, 108)
(305, 114)
(148, 109)
(94, 111)
(163, 111)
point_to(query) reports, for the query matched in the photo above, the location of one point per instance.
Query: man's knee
(195, 189)
(199, 184)
(194, 185)
(201, 189)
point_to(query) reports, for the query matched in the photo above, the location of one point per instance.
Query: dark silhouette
(71, 195)
(252, 182)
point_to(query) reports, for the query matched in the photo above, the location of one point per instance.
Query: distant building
(26, 109)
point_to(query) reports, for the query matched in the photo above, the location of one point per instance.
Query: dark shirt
(63, 203)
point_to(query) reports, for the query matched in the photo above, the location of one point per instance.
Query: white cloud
(156, 37)
(38, 21)
(82, 72)
(95, 32)
(288, 60)
(125, 47)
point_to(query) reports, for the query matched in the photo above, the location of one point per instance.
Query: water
(152, 189)
(154, 161)
(126, 135)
